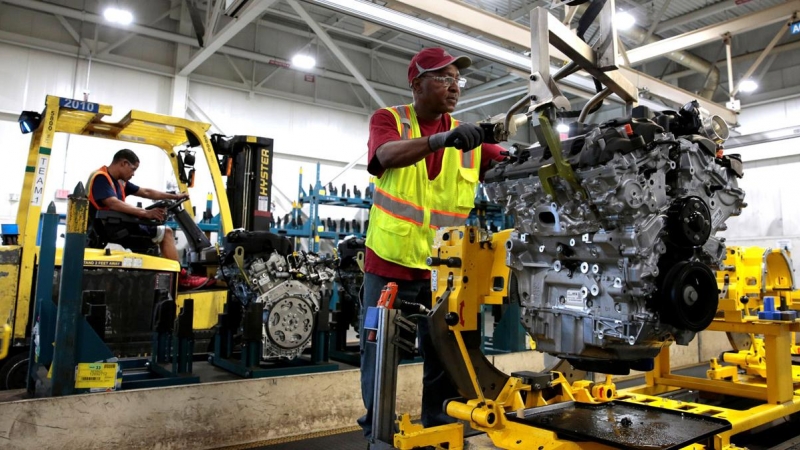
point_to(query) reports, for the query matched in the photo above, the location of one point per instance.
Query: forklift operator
(110, 185)
(427, 167)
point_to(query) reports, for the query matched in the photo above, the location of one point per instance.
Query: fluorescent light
(303, 61)
(120, 16)
(624, 20)
(443, 36)
(747, 86)
(562, 128)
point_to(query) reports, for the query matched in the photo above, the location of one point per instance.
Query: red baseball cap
(432, 59)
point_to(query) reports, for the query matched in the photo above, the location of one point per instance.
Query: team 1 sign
(795, 27)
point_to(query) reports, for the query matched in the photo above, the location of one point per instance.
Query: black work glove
(464, 137)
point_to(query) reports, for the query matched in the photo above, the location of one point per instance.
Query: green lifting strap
(560, 167)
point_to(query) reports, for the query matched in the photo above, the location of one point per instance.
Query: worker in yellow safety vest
(427, 167)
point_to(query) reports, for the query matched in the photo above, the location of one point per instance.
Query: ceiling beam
(736, 59)
(699, 14)
(483, 95)
(251, 12)
(107, 49)
(655, 19)
(516, 91)
(85, 48)
(326, 39)
(492, 84)
(68, 50)
(525, 9)
(333, 30)
(508, 95)
(521, 38)
(714, 32)
(181, 39)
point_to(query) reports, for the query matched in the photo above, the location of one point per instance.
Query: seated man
(110, 185)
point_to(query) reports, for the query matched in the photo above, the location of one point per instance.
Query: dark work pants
(436, 386)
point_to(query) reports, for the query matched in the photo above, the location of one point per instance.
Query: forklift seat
(123, 229)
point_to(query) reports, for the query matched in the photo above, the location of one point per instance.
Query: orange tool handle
(388, 295)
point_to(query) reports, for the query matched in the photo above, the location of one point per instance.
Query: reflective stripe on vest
(468, 159)
(399, 209)
(404, 127)
(104, 171)
(441, 219)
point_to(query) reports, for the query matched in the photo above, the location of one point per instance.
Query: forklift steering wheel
(167, 204)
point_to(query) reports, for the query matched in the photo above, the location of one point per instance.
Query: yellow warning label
(96, 375)
(252, 139)
(88, 262)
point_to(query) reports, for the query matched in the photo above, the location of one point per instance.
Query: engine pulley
(689, 296)
(689, 222)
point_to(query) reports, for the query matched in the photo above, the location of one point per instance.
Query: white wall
(31, 76)
(298, 129)
(771, 218)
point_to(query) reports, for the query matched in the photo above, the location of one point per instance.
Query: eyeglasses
(448, 81)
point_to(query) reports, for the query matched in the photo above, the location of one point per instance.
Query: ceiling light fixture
(747, 86)
(624, 20)
(116, 15)
(303, 61)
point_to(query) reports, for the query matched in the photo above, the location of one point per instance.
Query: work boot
(187, 282)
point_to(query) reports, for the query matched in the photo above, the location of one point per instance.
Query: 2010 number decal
(79, 105)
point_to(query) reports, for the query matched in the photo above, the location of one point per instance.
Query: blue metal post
(314, 219)
(41, 352)
(70, 297)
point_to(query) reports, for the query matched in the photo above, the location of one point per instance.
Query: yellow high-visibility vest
(407, 208)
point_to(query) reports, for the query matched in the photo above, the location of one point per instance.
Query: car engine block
(261, 267)
(611, 268)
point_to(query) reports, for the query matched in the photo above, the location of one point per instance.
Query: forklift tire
(13, 371)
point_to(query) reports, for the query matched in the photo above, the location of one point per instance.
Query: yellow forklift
(129, 279)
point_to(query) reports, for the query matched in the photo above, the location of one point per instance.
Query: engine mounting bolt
(618, 307)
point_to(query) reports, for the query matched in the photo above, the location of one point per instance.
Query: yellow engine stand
(747, 277)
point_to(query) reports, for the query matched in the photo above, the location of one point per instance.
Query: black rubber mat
(353, 440)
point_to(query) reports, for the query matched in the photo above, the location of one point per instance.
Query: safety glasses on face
(448, 81)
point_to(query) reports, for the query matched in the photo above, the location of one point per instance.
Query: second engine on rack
(613, 265)
(261, 267)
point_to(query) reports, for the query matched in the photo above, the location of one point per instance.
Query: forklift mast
(247, 162)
